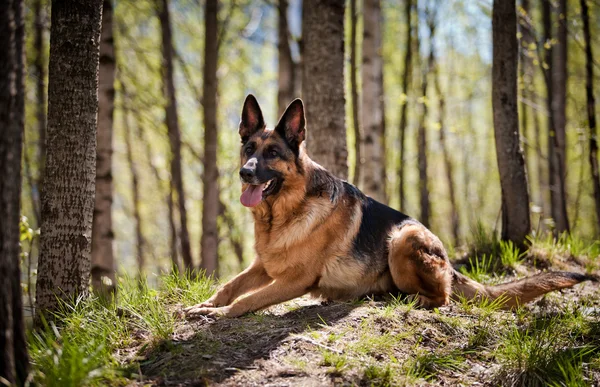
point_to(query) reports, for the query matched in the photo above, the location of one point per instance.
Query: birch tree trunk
(406, 81)
(103, 262)
(68, 196)
(14, 362)
(558, 135)
(356, 179)
(210, 201)
(323, 83)
(513, 178)
(371, 109)
(286, 68)
(591, 107)
(422, 131)
(172, 122)
(40, 95)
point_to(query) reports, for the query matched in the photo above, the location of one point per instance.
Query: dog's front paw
(200, 310)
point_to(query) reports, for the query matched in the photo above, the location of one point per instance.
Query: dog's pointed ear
(252, 118)
(292, 124)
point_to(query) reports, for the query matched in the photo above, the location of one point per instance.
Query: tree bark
(449, 169)
(422, 131)
(558, 137)
(354, 96)
(172, 122)
(286, 68)
(406, 81)
(40, 95)
(14, 361)
(591, 107)
(526, 80)
(371, 107)
(103, 262)
(68, 196)
(513, 178)
(210, 200)
(557, 198)
(323, 83)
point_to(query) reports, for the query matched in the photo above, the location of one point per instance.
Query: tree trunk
(591, 107)
(210, 200)
(406, 81)
(285, 79)
(40, 95)
(557, 204)
(14, 362)
(172, 122)
(354, 96)
(513, 178)
(323, 83)
(103, 262)
(135, 190)
(526, 81)
(558, 137)
(422, 132)
(371, 107)
(68, 196)
(454, 220)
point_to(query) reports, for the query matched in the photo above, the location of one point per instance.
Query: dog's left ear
(292, 123)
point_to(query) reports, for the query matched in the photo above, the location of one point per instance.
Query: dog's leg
(278, 291)
(419, 265)
(252, 278)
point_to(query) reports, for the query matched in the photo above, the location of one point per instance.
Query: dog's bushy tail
(517, 292)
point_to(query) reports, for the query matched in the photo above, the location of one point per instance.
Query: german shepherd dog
(321, 235)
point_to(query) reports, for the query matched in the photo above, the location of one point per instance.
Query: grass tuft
(541, 354)
(79, 349)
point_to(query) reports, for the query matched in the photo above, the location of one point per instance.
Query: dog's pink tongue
(252, 195)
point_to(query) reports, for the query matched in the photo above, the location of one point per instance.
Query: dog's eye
(248, 151)
(273, 153)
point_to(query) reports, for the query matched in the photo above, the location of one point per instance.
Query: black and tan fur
(320, 235)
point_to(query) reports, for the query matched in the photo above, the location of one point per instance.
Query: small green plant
(337, 361)
(483, 241)
(479, 269)
(378, 376)
(510, 255)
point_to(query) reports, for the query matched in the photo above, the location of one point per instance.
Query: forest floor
(304, 342)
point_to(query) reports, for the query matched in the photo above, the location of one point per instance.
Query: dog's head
(269, 157)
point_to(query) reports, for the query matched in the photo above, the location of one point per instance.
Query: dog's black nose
(247, 173)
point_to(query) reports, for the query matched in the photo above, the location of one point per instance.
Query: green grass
(427, 364)
(79, 349)
(387, 343)
(510, 255)
(542, 353)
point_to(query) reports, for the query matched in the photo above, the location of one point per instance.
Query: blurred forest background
(257, 47)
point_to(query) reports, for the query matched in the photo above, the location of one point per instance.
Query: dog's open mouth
(255, 193)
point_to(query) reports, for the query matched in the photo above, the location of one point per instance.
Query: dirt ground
(309, 343)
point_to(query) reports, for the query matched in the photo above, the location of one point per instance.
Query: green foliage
(79, 348)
